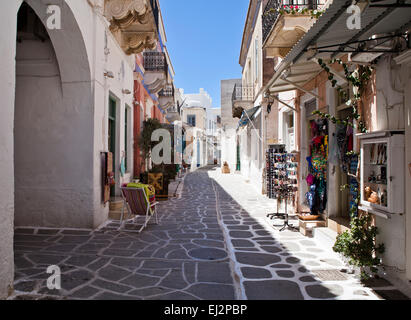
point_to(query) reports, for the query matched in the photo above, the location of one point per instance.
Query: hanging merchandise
(311, 199)
(281, 171)
(317, 167)
(350, 138)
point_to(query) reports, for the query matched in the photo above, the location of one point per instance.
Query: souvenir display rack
(281, 170)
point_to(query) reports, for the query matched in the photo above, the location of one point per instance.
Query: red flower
(291, 7)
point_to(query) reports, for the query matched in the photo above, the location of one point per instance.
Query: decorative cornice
(125, 10)
(133, 24)
(156, 85)
(167, 104)
(136, 42)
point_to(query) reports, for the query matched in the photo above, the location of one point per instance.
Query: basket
(309, 217)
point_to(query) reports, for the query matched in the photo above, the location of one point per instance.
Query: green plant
(144, 140)
(314, 13)
(359, 245)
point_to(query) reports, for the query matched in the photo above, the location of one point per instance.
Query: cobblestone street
(212, 243)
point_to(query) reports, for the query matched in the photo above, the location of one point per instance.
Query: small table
(303, 224)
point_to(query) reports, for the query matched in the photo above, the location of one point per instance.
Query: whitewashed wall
(68, 136)
(388, 115)
(229, 148)
(8, 21)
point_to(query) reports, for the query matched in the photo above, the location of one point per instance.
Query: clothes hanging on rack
(317, 167)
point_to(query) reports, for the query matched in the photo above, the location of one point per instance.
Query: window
(191, 119)
(290, 134)
(249, 73)
(310, 107)
(256, 60)
(141, 118)
(343, 97)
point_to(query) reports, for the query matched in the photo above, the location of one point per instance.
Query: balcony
(281, 31)
(242, 99)
(166, 97)
(134, 23)
(173, 114)
(156, 70)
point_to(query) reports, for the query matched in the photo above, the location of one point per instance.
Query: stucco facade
(228, 124)
(54, 122)
(252, 137)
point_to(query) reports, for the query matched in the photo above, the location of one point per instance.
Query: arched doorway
(46, 127)
(53, 137)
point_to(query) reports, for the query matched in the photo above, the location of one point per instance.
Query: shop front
(337, 166)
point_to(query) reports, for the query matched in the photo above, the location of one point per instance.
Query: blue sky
(204, 40)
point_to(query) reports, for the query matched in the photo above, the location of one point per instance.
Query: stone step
(325, 236)
(114, 214)
(116, 204)
(339, 224)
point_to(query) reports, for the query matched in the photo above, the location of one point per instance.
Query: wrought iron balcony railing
(168, 91)
(243, 93)
(271, 13)
(155, 61)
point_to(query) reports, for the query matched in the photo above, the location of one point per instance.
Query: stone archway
(69, 43)
(68, 70)
(53, 137)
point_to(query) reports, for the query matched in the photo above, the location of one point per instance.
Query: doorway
(343, 178)
(112, 129)
(238, 164)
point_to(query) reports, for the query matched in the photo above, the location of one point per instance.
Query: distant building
(229, 141)
(198, 113)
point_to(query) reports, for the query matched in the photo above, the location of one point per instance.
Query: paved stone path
(280, 265)
(184, 257)
(212, 243)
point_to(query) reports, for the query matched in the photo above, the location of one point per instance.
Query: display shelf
(378, 213)
(382, 174)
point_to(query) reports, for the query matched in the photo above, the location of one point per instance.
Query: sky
(204, 41)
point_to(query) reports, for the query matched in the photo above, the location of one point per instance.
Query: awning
(330, 37)
(248, 115)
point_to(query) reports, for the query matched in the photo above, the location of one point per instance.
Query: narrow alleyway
(212, 243)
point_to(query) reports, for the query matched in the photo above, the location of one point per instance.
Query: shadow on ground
(202, 238)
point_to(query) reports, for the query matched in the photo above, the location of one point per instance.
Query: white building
(228, 137)
(248, 97)
(67, 93)
(199, 114)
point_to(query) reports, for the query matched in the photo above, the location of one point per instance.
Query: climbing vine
(359, 80)
(359, 243)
